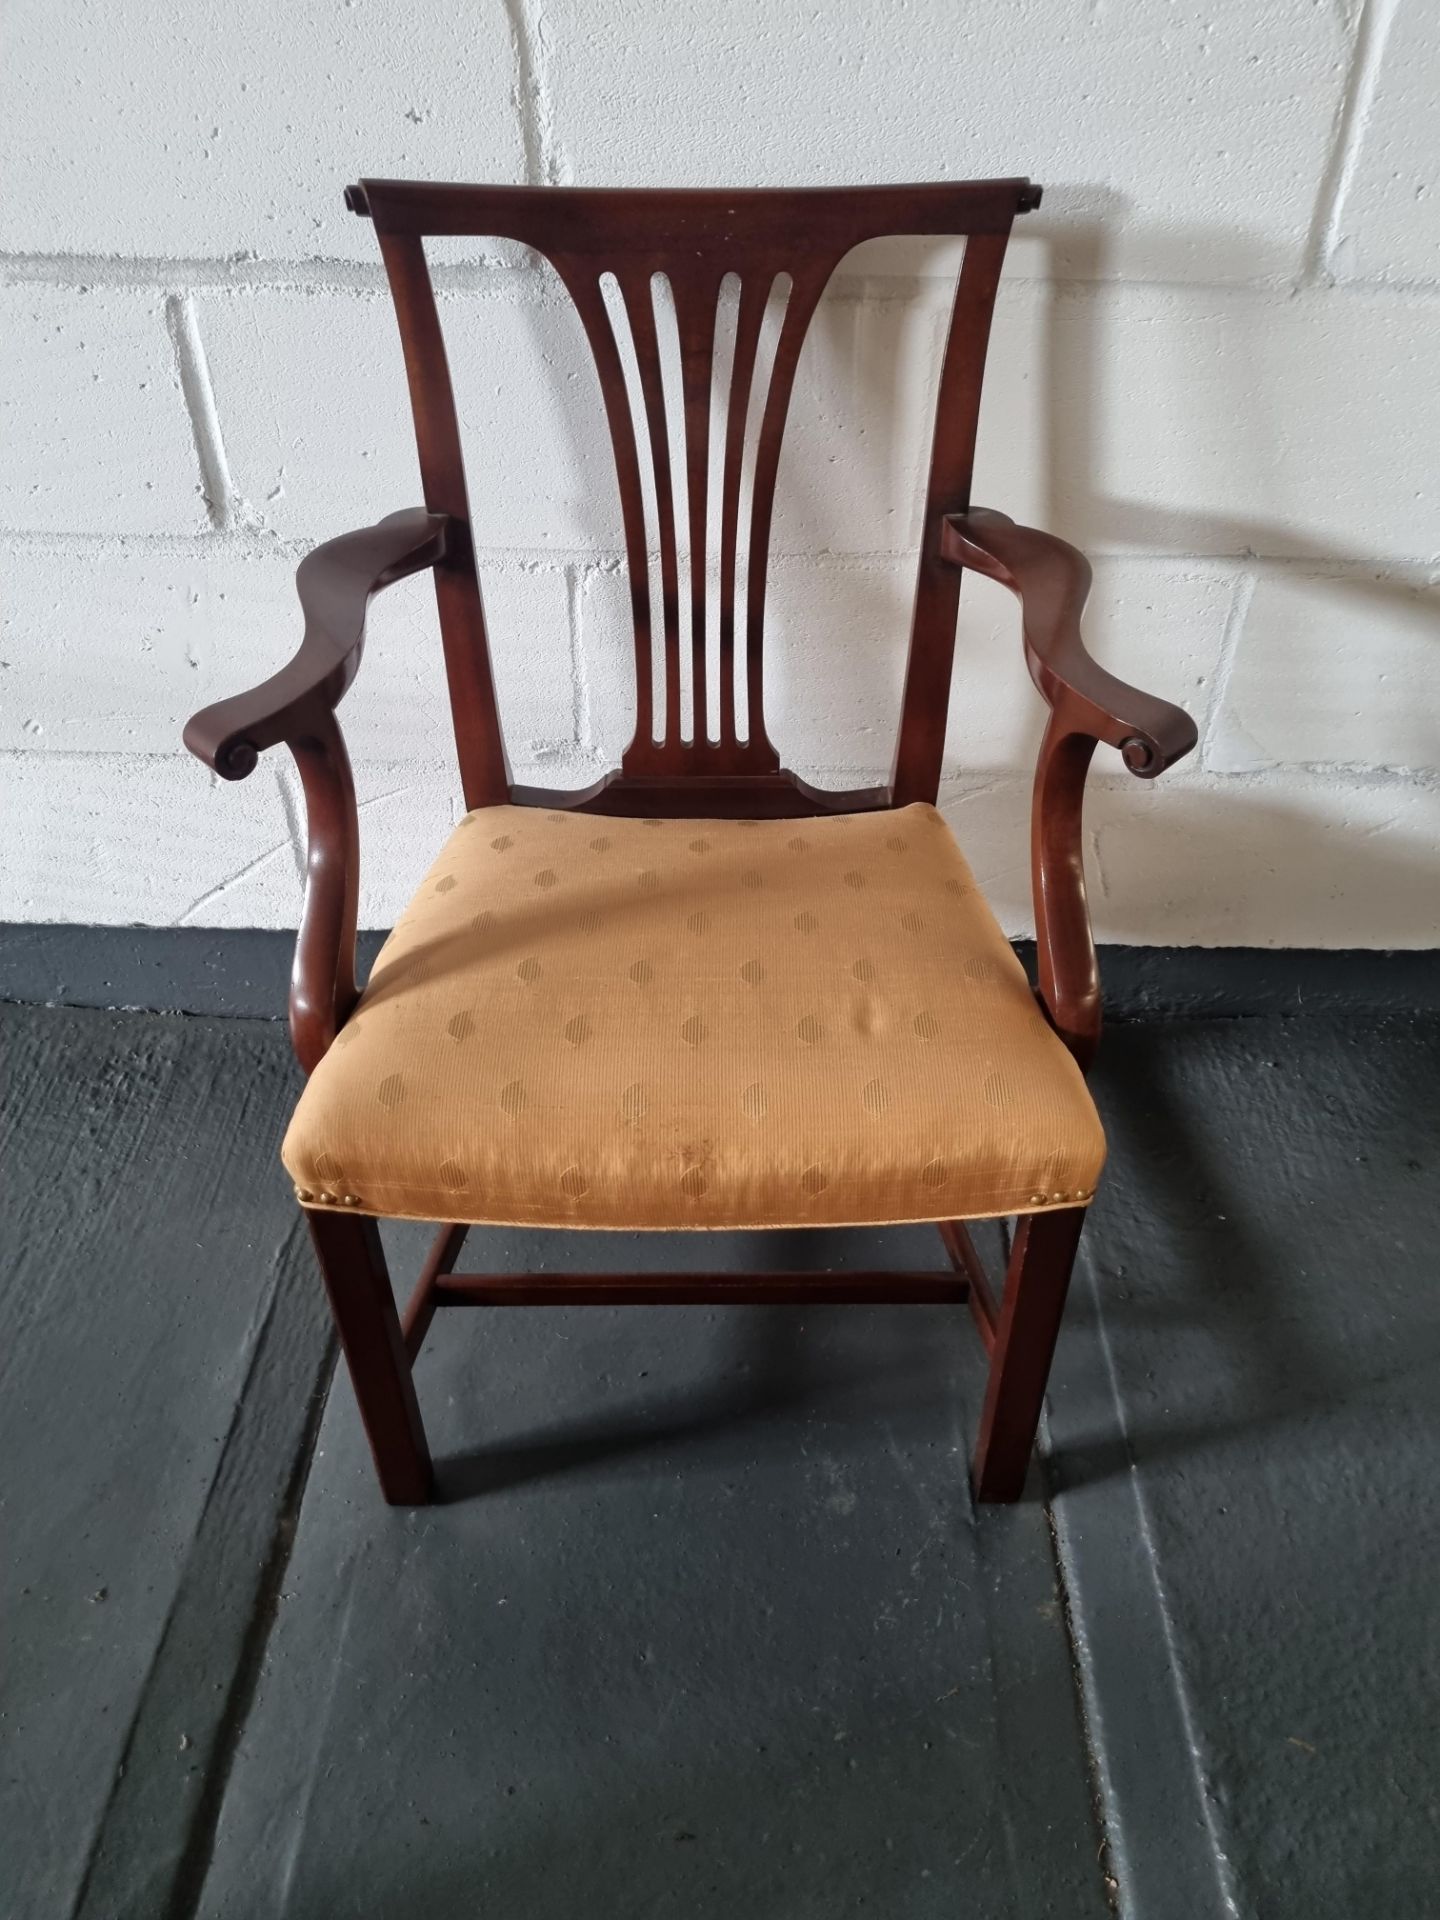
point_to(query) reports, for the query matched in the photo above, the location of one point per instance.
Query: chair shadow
(1232, 1271)
(576, 1446)
(781, 1360)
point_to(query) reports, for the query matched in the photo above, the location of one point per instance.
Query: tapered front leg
(352, 1262)
(1035, 1289)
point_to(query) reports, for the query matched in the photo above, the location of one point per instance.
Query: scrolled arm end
(1051, 580)
(229, 752)
(237, 759)
(1145, 758)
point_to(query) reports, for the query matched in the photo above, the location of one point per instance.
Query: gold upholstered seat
(597, 1022)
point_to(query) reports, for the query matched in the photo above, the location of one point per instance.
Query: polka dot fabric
(696, 1023)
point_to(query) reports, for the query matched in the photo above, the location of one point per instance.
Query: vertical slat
(479, 743)
(584, 288)
(696, 299)
(636, 290)
(805, 291)
(925, 706)
(750, 316)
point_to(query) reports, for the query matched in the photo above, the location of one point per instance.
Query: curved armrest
(297, 705)
(1052, 580)
(335, 584)
(1087, 704)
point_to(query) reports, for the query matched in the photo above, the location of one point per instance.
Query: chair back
(633, 261)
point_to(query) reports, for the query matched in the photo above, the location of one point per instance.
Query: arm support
(1087, 705)
(335, 584)
(297, 706)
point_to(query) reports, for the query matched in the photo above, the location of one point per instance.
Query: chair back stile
(717, 757)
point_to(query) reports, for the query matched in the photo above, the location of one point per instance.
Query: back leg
(352, 1263)
(1035, 1289)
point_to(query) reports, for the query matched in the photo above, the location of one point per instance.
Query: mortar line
(245, 273)
(219, 891)
(149, 273)
(1235, 618)
(1368, 48)
(199, 398)
(528, 41)
(294, 820)
(580, 718)
(956, 785)
(245, 541)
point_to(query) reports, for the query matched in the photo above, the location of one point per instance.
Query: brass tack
(303, 1193)
(1037, 1199)
(351, 1200)
(327, 1199)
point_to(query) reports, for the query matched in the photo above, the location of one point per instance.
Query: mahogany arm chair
(701, 993)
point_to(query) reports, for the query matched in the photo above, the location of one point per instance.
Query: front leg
(1030, 1311)
(357, 1280)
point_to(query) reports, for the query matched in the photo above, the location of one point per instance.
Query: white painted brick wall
(1214, 366)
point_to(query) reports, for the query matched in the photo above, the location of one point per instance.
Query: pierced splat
(630, 260)
(751, 391)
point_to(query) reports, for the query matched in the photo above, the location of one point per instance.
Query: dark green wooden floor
(706, 1624)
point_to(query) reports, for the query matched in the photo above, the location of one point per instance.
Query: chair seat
(583, 1021)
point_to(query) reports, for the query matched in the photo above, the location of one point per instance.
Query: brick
(1333, 668)
(115, 646)
(1209, 124)
(991, 821)
(406, 814)
(1386, 227)
(93, 425)
(528, 617)
(112, 646)
(1287, 860)
(1158, 624)
(151, 840)
(310, 390)
(1215, 422)
(142, 134)
(857, 440)
(1185, 861)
